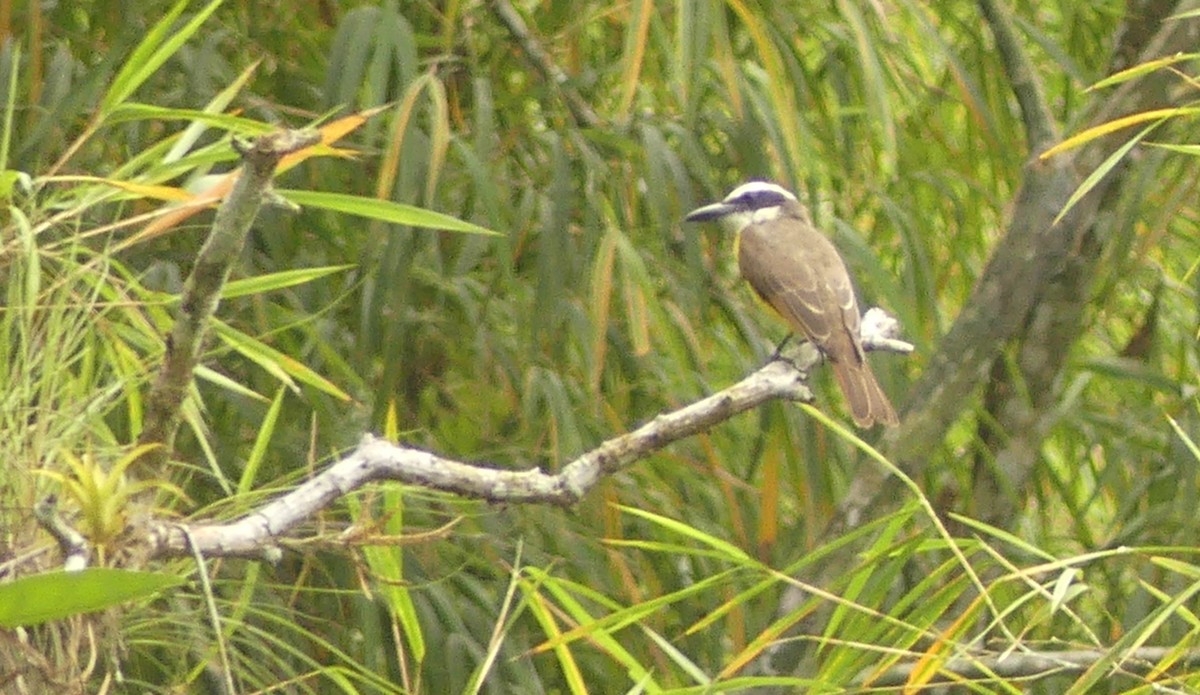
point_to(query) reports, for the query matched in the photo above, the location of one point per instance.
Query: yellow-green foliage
(592, 310)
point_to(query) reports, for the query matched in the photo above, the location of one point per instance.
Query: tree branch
(1033, 288)
(1040, 128)
(558, 80)
(1019, 416)
(376, 459)
(1031, 256)
(75, 548)
(1034, 664)
(202, 290)
(1142, 20)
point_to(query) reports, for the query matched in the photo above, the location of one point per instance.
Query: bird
(796, 270)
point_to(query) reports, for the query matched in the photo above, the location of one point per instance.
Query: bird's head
(751, 202)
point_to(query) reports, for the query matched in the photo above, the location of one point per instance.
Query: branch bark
(375, 460)
(1037, 259)
(1034, 664)
(1040, 129)
(202, 290)
(558, 80)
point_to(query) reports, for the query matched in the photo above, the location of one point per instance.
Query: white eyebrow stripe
(758, 186)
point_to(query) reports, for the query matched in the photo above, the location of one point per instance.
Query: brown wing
(796, 270)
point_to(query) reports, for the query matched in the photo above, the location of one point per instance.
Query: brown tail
(868, 403)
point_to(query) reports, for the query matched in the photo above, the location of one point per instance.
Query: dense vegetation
(1048, 413)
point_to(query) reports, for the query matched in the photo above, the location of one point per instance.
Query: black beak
(708, 212)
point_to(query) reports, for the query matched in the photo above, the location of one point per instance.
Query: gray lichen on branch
(202, 289)
(377, 459)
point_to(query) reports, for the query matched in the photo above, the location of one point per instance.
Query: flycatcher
(797, 271)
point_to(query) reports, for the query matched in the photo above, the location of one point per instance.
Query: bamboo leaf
(161, 42)
(282, 367)
(262, 439)
(382, 210)
(57, 595)
(1142, 69)
(1114, 125)
(276, 281)
(132, 111)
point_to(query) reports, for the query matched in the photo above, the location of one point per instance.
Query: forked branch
(376, 459)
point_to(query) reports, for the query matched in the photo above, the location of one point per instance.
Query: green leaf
(262, 441)
(161, 42)
(215, 106)
(383, 210)
(1183, 436)
(1135, 371)
(599, 631)
(57, 595)
(9, 180)
(133, 111)
(387, 563)
(728, 550)
(278, 364)
(214, 377)
(1190, 150)
(277, 281)
(1141, 69)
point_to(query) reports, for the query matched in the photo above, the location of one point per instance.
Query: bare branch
(202, 291)
(1034, 664)
(75, 548)
(558, 80)
(1040, 128)
(880, 331)
(376, 459)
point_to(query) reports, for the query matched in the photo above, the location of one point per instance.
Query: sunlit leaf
(162, 41)
(1114, 125)
(277, 281)
(382, 210)
(1142, 69)
(287, 369)
(38, 598)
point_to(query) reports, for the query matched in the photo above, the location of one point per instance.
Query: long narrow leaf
(382, 210)
(266, 428)
(161, 42)
(277, 281)
(275, 362)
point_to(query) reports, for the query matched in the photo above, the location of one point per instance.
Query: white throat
(737, 221)
(766, 214)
